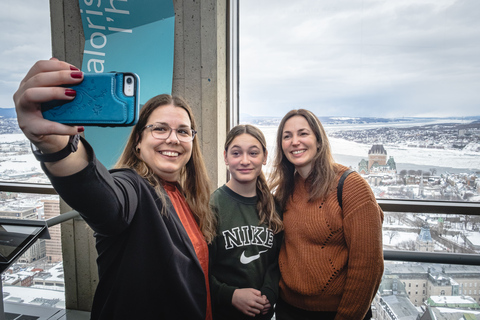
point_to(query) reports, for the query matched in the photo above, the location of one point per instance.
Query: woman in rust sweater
(331, 261)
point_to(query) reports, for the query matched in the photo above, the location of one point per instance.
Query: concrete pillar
(200, 76)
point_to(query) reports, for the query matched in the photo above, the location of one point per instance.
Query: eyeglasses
(162, 131)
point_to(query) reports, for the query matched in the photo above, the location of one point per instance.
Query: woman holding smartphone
(244, 267)
(331, 261)
(150, 215)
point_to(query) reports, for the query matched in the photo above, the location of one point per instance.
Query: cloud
(25, 38)
(375, 58)
(338, 57)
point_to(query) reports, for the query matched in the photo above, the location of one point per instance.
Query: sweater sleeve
(363, 220)
(220, 292)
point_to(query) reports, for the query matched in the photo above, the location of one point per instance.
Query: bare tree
(407, 245)
(399, 216)
(391, 234)
(466, 220)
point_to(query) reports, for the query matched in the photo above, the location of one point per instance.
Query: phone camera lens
(129, 80)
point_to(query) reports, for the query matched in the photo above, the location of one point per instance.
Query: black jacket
(147, 265)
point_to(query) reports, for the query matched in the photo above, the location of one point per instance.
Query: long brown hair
(267, 212)
(194, 179)
(323, 173)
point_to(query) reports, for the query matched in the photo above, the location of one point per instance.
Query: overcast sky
(360, 58)
(24, 39)
(337, 57)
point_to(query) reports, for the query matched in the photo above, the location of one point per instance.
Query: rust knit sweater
(332, 261)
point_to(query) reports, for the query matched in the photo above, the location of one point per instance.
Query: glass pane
(37, 276)
(395, 84)
(427, 232)
(25, 37)
(38, 273)
(413, 289)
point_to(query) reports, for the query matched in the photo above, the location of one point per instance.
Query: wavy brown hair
(267, 212)
(194, 179)
(321, 178)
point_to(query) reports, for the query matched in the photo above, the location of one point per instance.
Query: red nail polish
(70, 92)
(76, 74)
(80, 129)
(73, 68)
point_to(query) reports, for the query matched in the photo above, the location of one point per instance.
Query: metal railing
(414, 206)
(20, 187)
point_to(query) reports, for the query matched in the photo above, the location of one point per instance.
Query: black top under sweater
(147, 265)
(244, 254)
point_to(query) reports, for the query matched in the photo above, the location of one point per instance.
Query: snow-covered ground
(394, 238)
(19, 163)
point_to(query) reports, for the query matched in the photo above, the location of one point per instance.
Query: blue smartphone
(102, 99)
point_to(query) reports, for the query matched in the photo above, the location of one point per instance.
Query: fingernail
(70, 92)
(80, 129)
(76, 74)
(74, 68)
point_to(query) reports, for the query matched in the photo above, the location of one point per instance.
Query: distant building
(52, 278)
(440, 284)
(467, 277)
(18, 212)
(22, 278)
(54, 244)
(441, 313)
(472, 239)
(424, 241)
(464, 302)
(422, 281)
(363, 166)
(391, 301)
(377, 156)
(377, 163)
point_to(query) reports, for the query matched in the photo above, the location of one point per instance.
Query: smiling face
(244, 158)
(166, 157)
(299, 144)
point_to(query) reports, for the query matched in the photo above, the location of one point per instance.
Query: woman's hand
(41, 84)
(249, 301)
(266, 306)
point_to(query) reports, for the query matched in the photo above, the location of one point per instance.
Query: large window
(38, 274)
(395, 84)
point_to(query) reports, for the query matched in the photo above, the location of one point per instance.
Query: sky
(337, 58)
(24, 38)
(360, 58)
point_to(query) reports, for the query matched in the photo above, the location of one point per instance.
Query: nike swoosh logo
(247, 260)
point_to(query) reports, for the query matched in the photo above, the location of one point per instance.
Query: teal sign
(127, 36)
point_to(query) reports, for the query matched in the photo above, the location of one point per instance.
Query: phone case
(99, 101)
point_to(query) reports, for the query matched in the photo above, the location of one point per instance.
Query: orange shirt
(194, 233)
